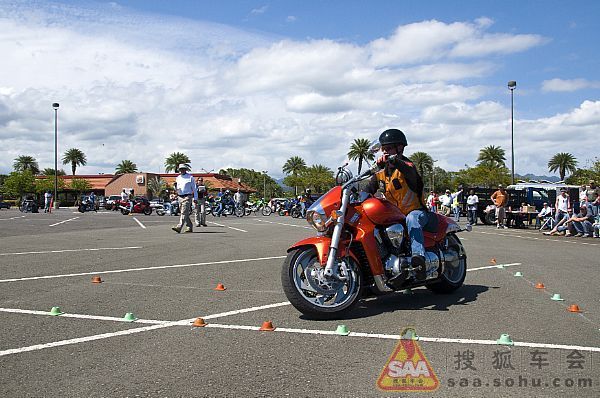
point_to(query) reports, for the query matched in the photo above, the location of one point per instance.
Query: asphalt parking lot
(167, 280)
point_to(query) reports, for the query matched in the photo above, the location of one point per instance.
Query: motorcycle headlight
(317, 220)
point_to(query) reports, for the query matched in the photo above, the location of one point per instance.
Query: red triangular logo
(408, 369)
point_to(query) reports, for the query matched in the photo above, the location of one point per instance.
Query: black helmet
(392, 136)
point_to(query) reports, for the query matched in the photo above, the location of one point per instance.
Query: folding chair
(549, 221)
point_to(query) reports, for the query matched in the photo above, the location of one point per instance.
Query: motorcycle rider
(403, 186)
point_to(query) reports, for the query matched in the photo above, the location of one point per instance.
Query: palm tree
(76, 157)
(126, 166)
(562, 162)
(174, 160)
(422, 161)
(25, 162)
(359, 150)
(49, 171)
(492, 156)
(294, 166)
(156, 186)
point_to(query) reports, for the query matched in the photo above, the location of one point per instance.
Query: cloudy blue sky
(251, 83)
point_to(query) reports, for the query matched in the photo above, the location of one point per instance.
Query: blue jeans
(415, 221)
(456, 212)
(472, 216)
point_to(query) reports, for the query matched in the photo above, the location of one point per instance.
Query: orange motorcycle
(362, 243)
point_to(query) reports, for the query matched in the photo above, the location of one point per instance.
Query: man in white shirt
(562, 205)
(186, 193)
(446, 202)
(472, 202)
(47, 201)
(542, 215)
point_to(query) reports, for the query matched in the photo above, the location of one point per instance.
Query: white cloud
(562, 85)
(260, 10)
(290, 18)
(138, 87)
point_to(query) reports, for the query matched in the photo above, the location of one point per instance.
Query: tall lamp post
(264, 184)
(55, 106)
(511, 86)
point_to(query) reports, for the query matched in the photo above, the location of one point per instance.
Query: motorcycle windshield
(327, 202)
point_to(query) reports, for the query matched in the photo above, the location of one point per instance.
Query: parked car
(110, 201)
(4, 205)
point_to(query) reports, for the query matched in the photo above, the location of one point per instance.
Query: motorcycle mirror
(375, 146)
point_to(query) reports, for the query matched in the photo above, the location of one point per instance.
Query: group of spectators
(585, 223)
(449, 203)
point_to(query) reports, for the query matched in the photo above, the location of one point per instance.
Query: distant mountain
(537, 178)
(283, 186)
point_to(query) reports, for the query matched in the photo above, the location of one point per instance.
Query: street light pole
(264, 184)
(511, 86)
(55, 106)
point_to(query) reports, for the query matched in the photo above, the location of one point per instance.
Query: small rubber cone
(96, 279)
(574, 308)
(129, 317)
(540, 285)
(556, 297)
(493, 261)
(342, 330)
(199, 323)
(505, 340)
(518, 273)
(56, 311)
(407, 291)
(220, 287)
(267, 326)
(409, 334)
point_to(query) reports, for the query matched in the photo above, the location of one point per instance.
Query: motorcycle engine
(394, 266)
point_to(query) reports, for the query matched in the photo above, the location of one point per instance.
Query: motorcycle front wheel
(314, 295)
(160, 212)
(124, 212)
(81, 209)
(266, 210)
(148, 211)
(239, 211)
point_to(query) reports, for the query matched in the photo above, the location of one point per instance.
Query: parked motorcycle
(140, 205)
(28, 206)
(86, 205)
(364, 243)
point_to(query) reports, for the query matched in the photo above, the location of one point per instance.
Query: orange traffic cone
(493, 261)
(574, 308)
(540, 285)
(199, 322)
(96, 279)
(267, 326)
(220, 287)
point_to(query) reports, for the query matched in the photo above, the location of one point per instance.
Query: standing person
(47, 201)
(403, 187)
(562, 206)
(593, 197)
(500, 199)
(238, 198)
(446, 201)
(93, 201)
(472, 202)
(201, 205)
(456, 205)
(186, 193)
(431, 202)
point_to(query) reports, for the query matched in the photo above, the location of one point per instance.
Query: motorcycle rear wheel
(266, 211)
(239, 211)
(148, 211)
(124, 212)
(318, 298)
(453, 277)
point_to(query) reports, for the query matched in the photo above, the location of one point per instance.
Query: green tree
(156, 186)
(562, 162)
(319, 177)
(492, 156)
(80, 185)
(19, 183)
(423, 162)
(25, 162)
(359, 150)
(47, 184)
(76, 157)
(482, 175)
(126, 166)
(294, 166)
(49, 171)
(255, 179)
(174, 160)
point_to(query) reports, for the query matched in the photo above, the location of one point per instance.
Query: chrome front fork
(331, 269)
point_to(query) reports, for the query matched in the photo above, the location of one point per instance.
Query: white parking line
(62, 222)
(287, 225)
(226, 226)
(12, 218)
(116, 271)
(73, 250)
(139, 222)
(579, 241)
(82, 316)
(494, 266)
